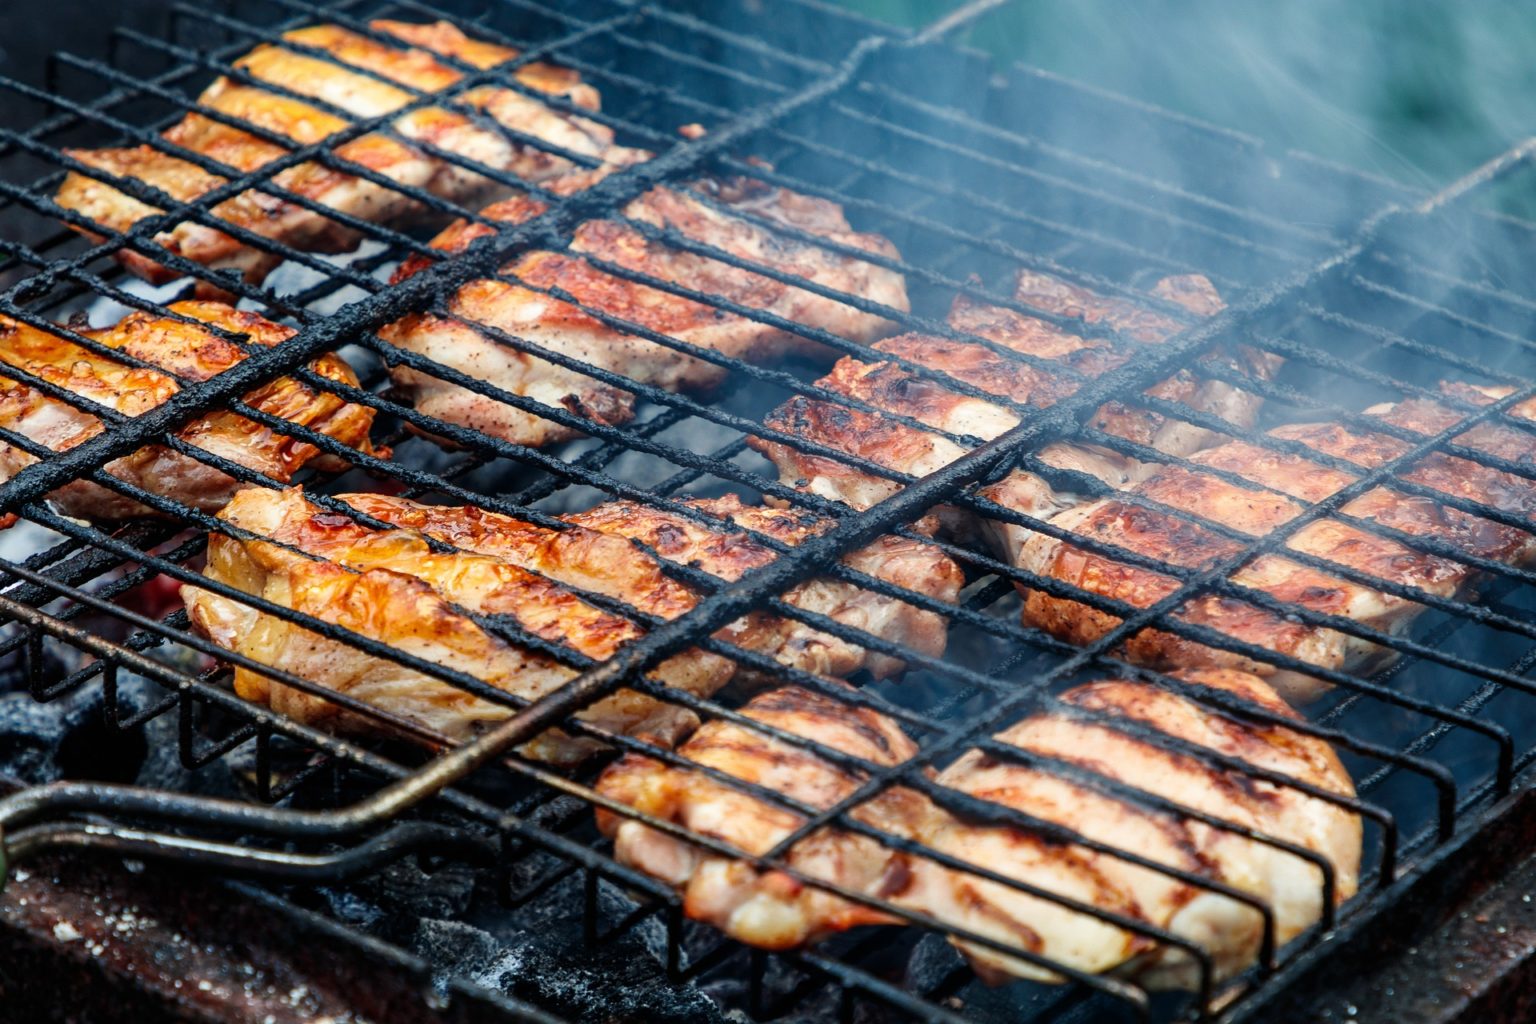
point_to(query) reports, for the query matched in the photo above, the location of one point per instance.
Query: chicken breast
(1228, 930)
(597, 553)
(353, 73)
(1290, 483)
(1161, 788)
(767, 907)
(518, 306)
(724, 551)
(177, 346)
(449, 608)
(952, 417)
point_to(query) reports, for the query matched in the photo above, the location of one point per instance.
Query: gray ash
(608, 984)
(535, 951)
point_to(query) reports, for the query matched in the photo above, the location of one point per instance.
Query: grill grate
(972, 177)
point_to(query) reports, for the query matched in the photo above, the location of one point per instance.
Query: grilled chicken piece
(887, 386)
(1169, 538)
(444, 607)
(770, 909)
(524, 311)
(1230, 931)
(723, 551)
(597, 553)
(357, 80)
(773, 909)
(181, 347)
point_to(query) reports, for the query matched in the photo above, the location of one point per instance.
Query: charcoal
(65, 738)
(31, 735)
(602, 985)
(14, 674)
(349, 907)
(409, 892)
(933, 959)
(556, 917)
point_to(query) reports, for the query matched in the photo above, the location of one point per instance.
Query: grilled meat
(597, 553)
(722, 551)
(1285, 483)
(449, 608)
(1191, 781)
(1096, 733)
(175, 346)
(771, 909)
(887, 386)
(484, 315)
(356, 80)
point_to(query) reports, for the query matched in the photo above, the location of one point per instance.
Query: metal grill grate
(972, 175)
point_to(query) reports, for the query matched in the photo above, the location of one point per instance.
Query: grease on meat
(617, 549)
(723, 550)
(891, 388)
(771, 908)
(1284, 485)
(392, 585)
(482, 316)
(188, 343)
(1228, 930)
(366, 78)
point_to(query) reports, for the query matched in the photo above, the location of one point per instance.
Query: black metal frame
(1287, 280)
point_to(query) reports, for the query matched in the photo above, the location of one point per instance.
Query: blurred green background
(1420, 91)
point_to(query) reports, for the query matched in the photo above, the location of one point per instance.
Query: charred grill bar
(1362, 287)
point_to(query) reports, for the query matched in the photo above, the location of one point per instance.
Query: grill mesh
(973, 174)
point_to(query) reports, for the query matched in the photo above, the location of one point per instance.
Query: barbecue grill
(1370, 291)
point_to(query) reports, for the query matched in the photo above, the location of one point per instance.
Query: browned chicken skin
(525, 312)
(597, 553)
(181, 347)
(1229, 931)
(887, 386)
(392, 586)
(413, 63)
(771, 908)
(1299, 480)
(727, 553)
(389, 584)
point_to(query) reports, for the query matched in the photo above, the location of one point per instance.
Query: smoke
(1418, 92)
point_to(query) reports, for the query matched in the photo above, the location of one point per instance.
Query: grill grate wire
(1283, 293)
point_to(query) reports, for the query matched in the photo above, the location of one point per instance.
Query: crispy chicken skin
(443, 607)
(724, 551)
(1230, 931)
(181, 347)
(906, 449)
(1298, 480)
(597, 553)
(524, 311)
(770, 909)
(413, 64)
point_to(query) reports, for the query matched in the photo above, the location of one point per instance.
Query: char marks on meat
(353, 77)
(487, 319)
(1281, 485)
(191, 342)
